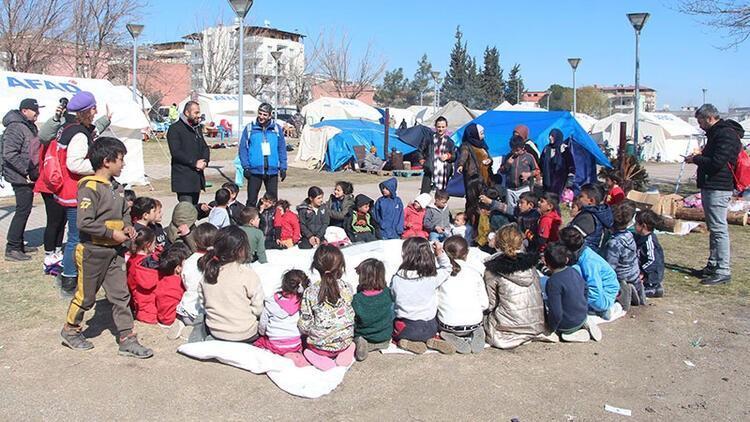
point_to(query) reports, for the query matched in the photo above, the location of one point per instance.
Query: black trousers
(56, 219)
(24, 199)
(253, 187)
(192, 197)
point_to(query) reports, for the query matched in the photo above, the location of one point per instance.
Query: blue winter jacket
(251, 152)
(601, 279)
(389, 212)
(594, 222)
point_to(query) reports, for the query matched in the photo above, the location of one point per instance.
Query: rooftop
(624, 88)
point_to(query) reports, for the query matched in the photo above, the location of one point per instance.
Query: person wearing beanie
(414, 217)
(529, 145)
(360, 225)
(190, 154)
(262, 153)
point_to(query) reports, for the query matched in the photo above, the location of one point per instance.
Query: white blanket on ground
(305, 382)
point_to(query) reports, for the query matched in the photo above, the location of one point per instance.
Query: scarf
(439, 167)
(471, 136)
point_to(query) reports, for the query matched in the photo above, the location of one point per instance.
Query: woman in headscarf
(475, 163)
(556, 163)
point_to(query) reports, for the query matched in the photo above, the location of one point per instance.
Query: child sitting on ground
(231, 291)
(278, 322)
(414, 289)
(373, 309)
(219, 215)
(458, 228)
(389, 211)
(267, 210)
(601, 281)
(622, 256)
(190, 310)
(615, 194)
(340, 203)
(169, 290)
(234, 207)
(130, 197)
(326, 315)
(414, 217)
(313, 219)
(146, 212)
(143, 275)
(528, 220)
(650, 253)
(594, 220)
(181, 227)
(567, 304)
(437, 219)
(249, 220)
(360, 223)
(286, 223)
(549, 222)
(462, 300)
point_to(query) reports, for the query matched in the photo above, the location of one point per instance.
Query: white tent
(312, 146)
(420, 112)
(128, 120)
(329, 108)
(746, 125)
(587, 122)
(523, 106)
(142, 100)
(218, 107)
(670, 136)
(456, 113)
(399, 114)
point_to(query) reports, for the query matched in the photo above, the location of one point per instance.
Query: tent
(332, 142)
(218, 107)
(746, 125)
(522, 106)
(456, 113)
(420, 112)
(587, 122)
(397, 115)
(142, 99)
(498, 128)
(669, 137)
(128, 120)
(328, 108)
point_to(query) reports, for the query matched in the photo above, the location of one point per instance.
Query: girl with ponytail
(231, 291)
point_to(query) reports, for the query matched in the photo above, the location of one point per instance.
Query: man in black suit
(190, 154)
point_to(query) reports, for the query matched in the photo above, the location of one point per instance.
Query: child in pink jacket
(414, 217)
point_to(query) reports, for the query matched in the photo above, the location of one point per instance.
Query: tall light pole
(241, 8)
(436, 77)
(549, 93)
(135, 30)
(704, 95)
(574, 62)
(276, 56)
(638, 20)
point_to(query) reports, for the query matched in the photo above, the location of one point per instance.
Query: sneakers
(362, 348)
(716, 279)
(16, 256)
(175, 330)
(72, 337)
(593, 330)
(130, 347)
(580, 336)
(51, 259)
(441, 346)
(655, 292)
(477, 340)
(68, 286)
(704, 272)
(30, 249)
(416, 347)
(461, 344)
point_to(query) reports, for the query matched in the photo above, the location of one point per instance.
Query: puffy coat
(389, 212)
(187, 146)
(142, 282)
(594, 222)
(413, 222)
(601, 279)
(312, 222)
(251, 148)
(721, 150)
(357, 233)
(279, 318)
(329, 327)
(168, 294)
(289, 225)
(515, 297)
(20, 143)
(339, 208)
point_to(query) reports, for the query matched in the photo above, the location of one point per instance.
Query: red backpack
(741, 171)
(52, 174)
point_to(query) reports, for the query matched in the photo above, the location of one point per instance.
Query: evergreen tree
(393, 91)
(491, 80)
(457, 78)
(422, 83)
(514, 87)
(474, 85)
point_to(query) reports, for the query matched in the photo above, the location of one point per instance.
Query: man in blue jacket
(263, 154)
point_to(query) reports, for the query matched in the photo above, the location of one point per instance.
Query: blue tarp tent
(340, 148)
(498, 128)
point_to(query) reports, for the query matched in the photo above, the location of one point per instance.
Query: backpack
(741, 171)
(52, 174)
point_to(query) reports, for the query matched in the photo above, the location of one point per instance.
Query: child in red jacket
(414, 217)
(143, 275)
(287, 222)
(550, 222)
(615, 195)
(169, 290)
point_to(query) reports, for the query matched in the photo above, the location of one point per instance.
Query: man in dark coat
(716, 182)
(21, 169)
(190, 154)
(437, 156)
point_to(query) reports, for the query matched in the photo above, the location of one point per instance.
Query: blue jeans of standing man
(69, 262)
(715, 207)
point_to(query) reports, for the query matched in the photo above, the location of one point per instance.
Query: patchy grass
(156, 152)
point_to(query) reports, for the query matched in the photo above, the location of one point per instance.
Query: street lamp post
(638, 20)
(548, 95)
(574, 62)
(135, 30)
(435, 77)
(276, 56)
(241, 8)
(704, 95)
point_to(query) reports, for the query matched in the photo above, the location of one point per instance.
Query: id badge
(265, 147)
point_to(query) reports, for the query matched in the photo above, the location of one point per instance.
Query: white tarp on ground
(128, 120)
(218, 107)
(329, 108)
(671, 137)
(313, 144)
(456, 113)
(420, 112)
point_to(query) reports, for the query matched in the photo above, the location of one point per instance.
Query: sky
(679, 56)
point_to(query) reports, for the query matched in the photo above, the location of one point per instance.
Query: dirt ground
(640, 365)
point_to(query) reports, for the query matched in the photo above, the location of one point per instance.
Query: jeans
(69, 262)
(55, 230)
(439, 237)
(715, 207)
(253, 187)
(24, 199)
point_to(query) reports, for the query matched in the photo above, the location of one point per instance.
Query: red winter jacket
(169, 293)
(413, 220)
(289, 224)
(142, 282)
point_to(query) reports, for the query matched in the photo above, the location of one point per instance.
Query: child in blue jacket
(389, 211)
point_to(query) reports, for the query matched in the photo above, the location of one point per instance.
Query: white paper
(618, 410)
(265, 148)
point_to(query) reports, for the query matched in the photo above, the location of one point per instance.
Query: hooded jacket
(370, 227)
(594, 222)
(169, 292)
(601, 280)
(20, 146)
(311, 222)
(414, 219)
(251, 148)
(622, 255)
(288, 222)
(437, 217)
(338, 209)
(720, 152)
(184, 213)
(389, 211)
(142, 282)
(279, 318)
(515, 300)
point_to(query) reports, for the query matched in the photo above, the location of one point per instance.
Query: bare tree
(28, 33)
(336, 64)
(215, 57)
(732, 16)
